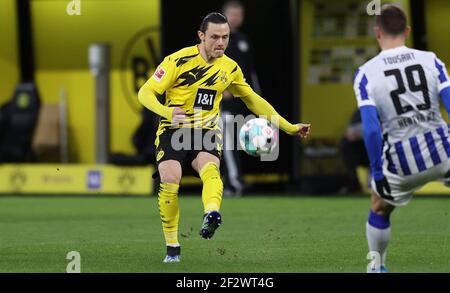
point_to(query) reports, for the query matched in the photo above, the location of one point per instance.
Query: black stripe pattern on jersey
(235, 68)
(211, 80)
(192, 76)
(183, 60)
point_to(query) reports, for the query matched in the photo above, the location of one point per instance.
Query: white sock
(378, 240)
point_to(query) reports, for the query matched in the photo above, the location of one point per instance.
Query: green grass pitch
(259, 234)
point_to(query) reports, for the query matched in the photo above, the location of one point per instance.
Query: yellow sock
(212, 187)
(169, 212)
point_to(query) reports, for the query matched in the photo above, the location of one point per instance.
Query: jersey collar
(216, 61)
(400, 48)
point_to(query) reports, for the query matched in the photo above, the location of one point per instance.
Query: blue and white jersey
(404, 85)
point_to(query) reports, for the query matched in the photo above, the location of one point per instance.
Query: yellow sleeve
(239, 87)
(163, 78)
(255, 103)
(147, 97)
(259, 106)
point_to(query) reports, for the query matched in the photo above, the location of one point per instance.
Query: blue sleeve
(445, 98)
(373, 139)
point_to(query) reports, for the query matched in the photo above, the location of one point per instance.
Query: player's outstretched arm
(147, 97)
(259, 106)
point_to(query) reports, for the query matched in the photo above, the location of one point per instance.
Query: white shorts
(403, 187)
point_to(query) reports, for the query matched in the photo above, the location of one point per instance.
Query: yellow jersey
(196, 86)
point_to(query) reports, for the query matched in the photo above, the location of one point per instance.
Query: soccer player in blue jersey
(405, 135)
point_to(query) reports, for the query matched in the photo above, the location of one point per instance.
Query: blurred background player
(354, 152)
(405, 135)
(240, 50)
(193, 80)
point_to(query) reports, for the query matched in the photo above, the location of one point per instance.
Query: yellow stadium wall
(435, 12)
(438, 26)
(9, 64)
(327, 106)
(61, 46)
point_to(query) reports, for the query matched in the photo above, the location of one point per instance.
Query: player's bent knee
(204, 158)
(170, 178)
(195, 165)
(380, 207)
(170, 172)
(382, 211)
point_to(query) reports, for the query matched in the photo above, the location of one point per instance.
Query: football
(258, 136)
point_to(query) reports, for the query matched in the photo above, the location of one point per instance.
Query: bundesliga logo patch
(159, 73)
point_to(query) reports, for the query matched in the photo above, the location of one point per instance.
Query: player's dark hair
(392, 20)
(232, 4)
(214, 17)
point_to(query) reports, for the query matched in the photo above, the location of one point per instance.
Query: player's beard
(214, 54)
(218, 54)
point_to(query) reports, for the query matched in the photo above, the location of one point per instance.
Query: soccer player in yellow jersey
(193, 80)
